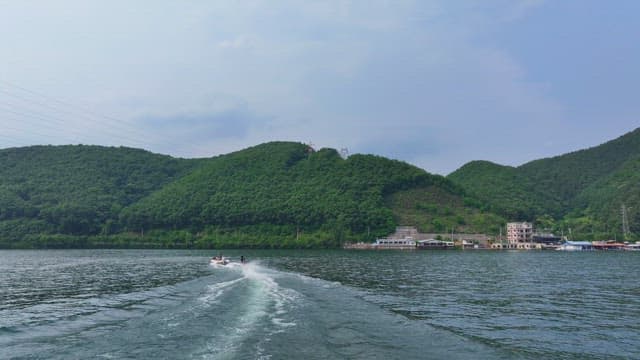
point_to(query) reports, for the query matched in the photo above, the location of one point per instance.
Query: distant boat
(632, 247)
(219, 260)
(575, 246)
(607, 245)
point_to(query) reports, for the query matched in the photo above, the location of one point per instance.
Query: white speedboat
(575, 246)
(219, 260)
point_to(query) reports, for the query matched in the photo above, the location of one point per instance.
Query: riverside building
(519, 232)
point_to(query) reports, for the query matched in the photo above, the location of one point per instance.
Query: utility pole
(310, 149)
(625, 222)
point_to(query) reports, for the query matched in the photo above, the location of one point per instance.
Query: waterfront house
(519, 232)
(403, 238)
(391, 242)
(547, 239)
(435, 244)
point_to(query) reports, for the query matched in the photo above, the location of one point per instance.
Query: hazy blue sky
(434, 83)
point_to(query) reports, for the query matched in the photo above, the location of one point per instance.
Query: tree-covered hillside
(278, 194)
(285, 194)
(283, 189)
(604, 199)
(565, 177)
(501, 189)
(583, 189)
(76, 189)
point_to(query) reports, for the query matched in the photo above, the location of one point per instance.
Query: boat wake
(216, 290)
(255, 308)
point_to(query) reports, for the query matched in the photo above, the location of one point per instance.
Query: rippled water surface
(319, 305)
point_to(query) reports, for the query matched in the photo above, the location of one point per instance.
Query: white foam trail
(267, 303)
(209, 298)
(216, 290)
(282, 298)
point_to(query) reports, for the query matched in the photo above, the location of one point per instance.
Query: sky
(435, 83)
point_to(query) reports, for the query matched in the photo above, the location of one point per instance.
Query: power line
(9, 140)
(113, 126)
(48, 118)
(27, 116)
(625, 221)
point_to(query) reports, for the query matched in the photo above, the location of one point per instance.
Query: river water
(125, 304)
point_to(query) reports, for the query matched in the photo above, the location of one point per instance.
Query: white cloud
(340, 74)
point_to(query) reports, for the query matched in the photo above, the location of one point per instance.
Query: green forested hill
(502, 189)
(284, 194)
(275, 194)
(603, 200)
(279, 193)
(585, 189)
(76, 190)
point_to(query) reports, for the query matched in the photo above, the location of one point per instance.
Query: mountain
(278, 194)
(284, 193)
(584, 189)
